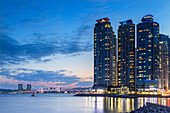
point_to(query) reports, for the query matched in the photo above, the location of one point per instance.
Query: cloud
(37, 45)
(84, 83)
(40, 78)
(43, 45)
(12, 81)
(39, 75)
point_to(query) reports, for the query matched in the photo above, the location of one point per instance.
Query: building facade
(147, 54)
(126, 54)
(104, 54)
(20, 87)
(164, 56)
(163, 65)
(28, 87)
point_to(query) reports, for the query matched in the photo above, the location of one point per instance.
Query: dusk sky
(50, 42)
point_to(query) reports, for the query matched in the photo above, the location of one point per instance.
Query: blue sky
(50, 43)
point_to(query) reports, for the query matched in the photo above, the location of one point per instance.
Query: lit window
(149, 67)
(154, 24)
(140, 67)
(150, 35)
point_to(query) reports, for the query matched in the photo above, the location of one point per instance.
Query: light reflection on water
(60, 103)
(110, 104)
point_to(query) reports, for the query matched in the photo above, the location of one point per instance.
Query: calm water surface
(67, 103)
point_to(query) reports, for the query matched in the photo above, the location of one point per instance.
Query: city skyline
(141, 69)
(47, 47)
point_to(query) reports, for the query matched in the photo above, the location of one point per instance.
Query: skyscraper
(126, 54)
(28, 87)
(164, 59)
(104, 54)
(20, 87)
(147, 54)
(163, 65)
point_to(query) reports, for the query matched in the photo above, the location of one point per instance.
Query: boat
(32, 95)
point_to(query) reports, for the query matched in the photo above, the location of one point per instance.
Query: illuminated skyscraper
(28, 87)
(163, 65)
(147, 54)
(104, 54)
(20, 87)
(126, 54)
(164, 61)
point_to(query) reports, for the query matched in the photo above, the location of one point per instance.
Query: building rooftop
(148, 17)
(103, 20)
(127, 22)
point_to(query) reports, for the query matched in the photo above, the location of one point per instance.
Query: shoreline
(152, 108)
(122, 96)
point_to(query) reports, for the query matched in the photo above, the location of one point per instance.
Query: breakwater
(152, 108)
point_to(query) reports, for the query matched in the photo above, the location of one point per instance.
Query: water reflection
(110, 104)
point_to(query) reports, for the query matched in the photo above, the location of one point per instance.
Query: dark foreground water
(66, 103)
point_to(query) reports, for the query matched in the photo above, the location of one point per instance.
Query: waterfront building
(20, 87)
(164, 61)
(147, 54)
(126, 54)
(28, 87)
(104, 54)
(163, 65)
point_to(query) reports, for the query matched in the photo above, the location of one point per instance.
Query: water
(67, 103)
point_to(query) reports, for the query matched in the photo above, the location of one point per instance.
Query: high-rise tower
(126, 54)
(163, 65)
(28, 87)
(164, 61)
(104, 54)
(20, 87)
(147, 54)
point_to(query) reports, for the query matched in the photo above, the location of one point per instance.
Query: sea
(68, 103)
